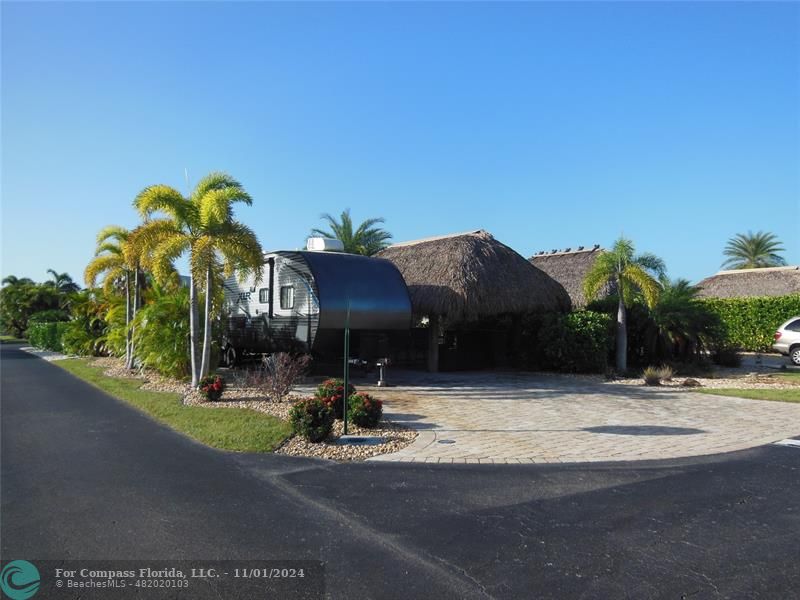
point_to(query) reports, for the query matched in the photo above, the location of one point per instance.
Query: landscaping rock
(691, 383)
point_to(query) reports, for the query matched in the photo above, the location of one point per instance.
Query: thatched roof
(468, 275)
(569, 268)
(773, 281)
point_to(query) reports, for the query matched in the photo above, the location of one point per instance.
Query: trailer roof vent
(321, 244)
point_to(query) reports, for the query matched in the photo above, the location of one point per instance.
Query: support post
(346, 377)
(433, 343)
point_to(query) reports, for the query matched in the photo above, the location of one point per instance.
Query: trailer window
(263, 295)
(287, 296)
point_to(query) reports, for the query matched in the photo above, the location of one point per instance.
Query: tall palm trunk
(136, 299)
(128, 332)
(193, 332)
(206, 366)
(622, 333)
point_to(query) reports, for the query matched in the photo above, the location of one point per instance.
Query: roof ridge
(439, 237)
(757, 270)
(565, 252)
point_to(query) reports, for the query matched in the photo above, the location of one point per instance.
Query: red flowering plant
(212, 387)
(331, 392)
(364, 410)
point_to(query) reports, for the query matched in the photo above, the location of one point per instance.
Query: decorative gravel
(726, 380)
(240, 396)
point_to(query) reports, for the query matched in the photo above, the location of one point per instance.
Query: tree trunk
(433, 343)
(622, 335)
(132, 356)
(206, 365)
(193, 331)
(128, 332)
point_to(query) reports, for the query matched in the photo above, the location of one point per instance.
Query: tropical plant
(366, 239)
(62, 282)
(116, 260)
(201, 225)
(85, 333)
(753, 251)
(161, 331)
(684, 325)
(14, 280)
(21, 300)
(630, 274)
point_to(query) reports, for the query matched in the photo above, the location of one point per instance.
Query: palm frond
(167, 200)
(645, 282)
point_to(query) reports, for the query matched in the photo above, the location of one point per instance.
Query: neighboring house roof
(738, 283)
(468, 275)
(568, 267)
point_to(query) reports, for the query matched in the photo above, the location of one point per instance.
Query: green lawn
(10, 339)
(235, 429)
(762, 394)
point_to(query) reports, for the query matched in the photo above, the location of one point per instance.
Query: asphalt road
(87, 477)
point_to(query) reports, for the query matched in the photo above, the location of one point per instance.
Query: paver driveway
(508, 417)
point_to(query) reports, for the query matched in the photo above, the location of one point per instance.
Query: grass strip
(235, 429)
(781, 395)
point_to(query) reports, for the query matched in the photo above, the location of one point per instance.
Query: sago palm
(628, 274)
(202, 226)
(753, 251)
(366, 239)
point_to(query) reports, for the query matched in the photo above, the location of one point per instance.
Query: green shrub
(331, 393)
(47, 336)
(750, 323)
(364, 410)
(212, 386)
(575, 342)
(51, 315)
(161, 333)
(311, 419)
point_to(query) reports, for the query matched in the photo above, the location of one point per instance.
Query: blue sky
(549, 125)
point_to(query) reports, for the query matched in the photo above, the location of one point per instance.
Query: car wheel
(230, 357)
(794, 355)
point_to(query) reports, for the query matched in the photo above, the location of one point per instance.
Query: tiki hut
(465, 277)
(569, 268)
(739, 283)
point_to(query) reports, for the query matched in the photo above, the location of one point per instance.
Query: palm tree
(201, 225)
(683, 324)
(62, 282)
(110, 262)
(366, 240)
(753, 251)
(14, 280)
(630, 275)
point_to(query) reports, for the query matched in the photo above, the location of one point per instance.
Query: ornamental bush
(212, 387)
(311, 419)
(576, 342)
(47, 336)
(750, 323)
(364, 410)
(331, 393)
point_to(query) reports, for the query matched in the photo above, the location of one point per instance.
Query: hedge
(47, 336)
(575, 342)
(750, 323)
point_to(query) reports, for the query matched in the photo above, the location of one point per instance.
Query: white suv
(787, 340)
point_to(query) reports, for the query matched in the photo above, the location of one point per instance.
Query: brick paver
(528, 418)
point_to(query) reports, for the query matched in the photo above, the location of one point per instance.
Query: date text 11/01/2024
(194, 573)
